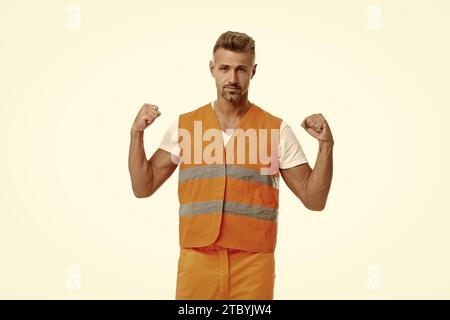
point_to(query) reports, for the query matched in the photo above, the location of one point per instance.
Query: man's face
(232, 72)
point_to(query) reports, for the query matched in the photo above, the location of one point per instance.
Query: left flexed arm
(319, 181)
(313, 185)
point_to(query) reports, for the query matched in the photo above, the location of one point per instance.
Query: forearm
(140, 170)
(319, 181)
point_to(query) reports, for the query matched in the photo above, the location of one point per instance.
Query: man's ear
(254, 70)
(211, 67)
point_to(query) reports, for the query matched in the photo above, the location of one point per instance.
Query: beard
(232, 96)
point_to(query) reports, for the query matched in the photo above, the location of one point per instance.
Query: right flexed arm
(147, 175)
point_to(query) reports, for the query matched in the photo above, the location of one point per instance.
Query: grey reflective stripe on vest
(232, 171)
(229, 207)
(202, 172)
(201, 207)
(252, 175)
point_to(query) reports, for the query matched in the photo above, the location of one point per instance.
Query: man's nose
(233, 77)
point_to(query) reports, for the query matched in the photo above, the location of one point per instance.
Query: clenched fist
(145, 117)
(317, 126)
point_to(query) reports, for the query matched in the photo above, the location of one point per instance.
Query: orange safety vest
(232, 202)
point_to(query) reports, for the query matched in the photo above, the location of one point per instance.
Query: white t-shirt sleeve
(290, 151)
(169, 142)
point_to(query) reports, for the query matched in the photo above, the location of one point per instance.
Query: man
(228, 195)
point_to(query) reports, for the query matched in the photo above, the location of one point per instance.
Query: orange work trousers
(225, 274)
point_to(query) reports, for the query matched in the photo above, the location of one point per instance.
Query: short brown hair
(235, 41)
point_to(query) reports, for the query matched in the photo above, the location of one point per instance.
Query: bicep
(163, 164)
(296, 178)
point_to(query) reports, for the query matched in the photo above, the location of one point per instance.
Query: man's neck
(231, 110)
